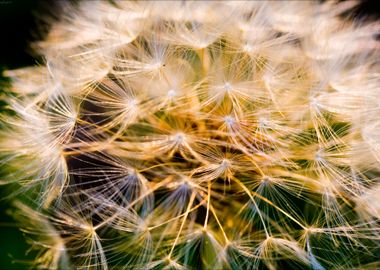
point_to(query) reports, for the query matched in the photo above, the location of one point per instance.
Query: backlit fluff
(199, 135)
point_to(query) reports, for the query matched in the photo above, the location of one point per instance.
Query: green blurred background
(20, 24)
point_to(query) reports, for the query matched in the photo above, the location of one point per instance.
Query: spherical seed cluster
(199, 135)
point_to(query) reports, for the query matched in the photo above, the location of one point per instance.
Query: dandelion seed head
(199, 135)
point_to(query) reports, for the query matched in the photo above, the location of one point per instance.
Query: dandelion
(198, 135)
